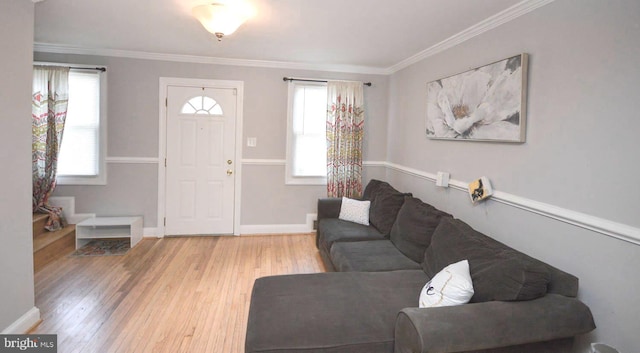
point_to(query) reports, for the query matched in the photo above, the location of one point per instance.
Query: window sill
(289, 180)
(81, 180)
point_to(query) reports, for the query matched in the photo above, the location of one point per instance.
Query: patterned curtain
(345, 124)
(48, 112)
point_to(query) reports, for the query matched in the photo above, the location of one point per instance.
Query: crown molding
(199, 59)
(507, 15)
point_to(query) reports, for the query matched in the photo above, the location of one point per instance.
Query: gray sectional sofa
(370, 304)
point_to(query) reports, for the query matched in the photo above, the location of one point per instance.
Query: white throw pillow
(355, 211)
(451, 286)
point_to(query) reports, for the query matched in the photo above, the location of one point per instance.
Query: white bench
(108, 228)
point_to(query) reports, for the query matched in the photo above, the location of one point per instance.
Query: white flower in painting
(479, 104)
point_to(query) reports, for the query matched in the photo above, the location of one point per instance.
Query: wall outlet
(442, 179)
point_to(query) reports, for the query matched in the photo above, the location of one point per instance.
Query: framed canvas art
(487, 103)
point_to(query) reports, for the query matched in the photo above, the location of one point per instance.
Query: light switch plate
(252, 141)
(442, 179)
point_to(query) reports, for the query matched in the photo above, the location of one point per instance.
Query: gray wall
(581, 151)
(16, 251)
(133, 132)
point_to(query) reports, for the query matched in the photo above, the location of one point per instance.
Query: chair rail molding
(262, 161)
(133, 160)
(600, 225)
(266, 161)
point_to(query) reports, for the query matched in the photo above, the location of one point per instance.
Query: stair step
(39, 220)
(43, 240)
(50, 246)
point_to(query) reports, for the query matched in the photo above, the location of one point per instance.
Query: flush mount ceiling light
(221, 19)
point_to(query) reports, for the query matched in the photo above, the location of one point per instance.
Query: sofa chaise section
(360, 312)
(341, 312)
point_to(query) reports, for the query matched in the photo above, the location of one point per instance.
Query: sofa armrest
(490, 324)
(329, 207)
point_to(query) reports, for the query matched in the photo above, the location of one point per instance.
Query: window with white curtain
(306, 133)
(81, 158)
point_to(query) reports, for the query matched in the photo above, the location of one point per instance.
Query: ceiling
(368, 34)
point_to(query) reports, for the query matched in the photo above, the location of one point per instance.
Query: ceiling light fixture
(221, 19)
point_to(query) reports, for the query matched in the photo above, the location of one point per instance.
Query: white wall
(133, 132)
(16, 249)
(581, 152)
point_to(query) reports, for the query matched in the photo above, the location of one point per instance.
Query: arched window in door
(201, 105)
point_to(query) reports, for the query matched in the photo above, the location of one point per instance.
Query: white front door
(200, 178)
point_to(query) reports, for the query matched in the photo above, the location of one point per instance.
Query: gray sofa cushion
(498, 272)
(372, 188)
(340, 312)
(331, 230)
(369, 256)
(385, 205)
(414, 227)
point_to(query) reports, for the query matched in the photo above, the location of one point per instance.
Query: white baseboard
(274, 229)
(250, 229)
(311, 217)
(24, 323)
(79, 217)
(149, 232)
(68, 204)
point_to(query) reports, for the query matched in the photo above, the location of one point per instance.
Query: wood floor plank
(188, 294)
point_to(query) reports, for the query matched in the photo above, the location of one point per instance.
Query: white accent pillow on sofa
(451, 286)
(355, 211)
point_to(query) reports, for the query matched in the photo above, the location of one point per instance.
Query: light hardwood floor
(165, 295)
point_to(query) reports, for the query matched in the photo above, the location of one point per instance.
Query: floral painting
(483, 104)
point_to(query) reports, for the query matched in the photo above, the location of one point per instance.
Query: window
(306, 134)
(201, 105)
(82, 153)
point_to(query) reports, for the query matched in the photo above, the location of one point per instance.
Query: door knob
(229, 171)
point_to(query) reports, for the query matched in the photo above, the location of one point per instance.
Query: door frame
(165, 82)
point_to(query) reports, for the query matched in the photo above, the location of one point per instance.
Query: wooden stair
(50, 246)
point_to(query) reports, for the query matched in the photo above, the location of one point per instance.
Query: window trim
(290, 179)
(101, 178)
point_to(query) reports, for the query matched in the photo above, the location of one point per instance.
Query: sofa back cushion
(498, 271)
(385, 204)
(414, 226)
(371, 189)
